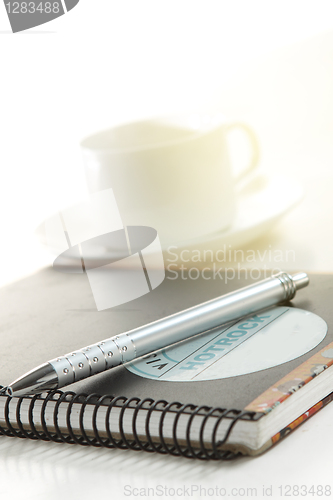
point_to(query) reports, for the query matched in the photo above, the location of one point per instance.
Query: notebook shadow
(63, 462)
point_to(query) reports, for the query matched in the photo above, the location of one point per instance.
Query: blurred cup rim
(195, 126)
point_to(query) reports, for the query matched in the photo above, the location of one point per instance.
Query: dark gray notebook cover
(49, 314)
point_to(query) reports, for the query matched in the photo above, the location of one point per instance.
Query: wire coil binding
(163, 444)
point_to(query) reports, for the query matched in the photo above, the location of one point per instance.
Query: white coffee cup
(170, 173)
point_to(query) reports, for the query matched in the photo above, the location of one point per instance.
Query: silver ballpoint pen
(146, 339)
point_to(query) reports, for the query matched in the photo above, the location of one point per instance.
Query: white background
(110, 61)
(116, 61)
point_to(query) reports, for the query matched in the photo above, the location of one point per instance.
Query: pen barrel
(175, 328)
(198, 319)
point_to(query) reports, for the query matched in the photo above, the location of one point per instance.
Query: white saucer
(261, 203)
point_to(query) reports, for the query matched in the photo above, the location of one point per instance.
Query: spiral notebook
(187, 400)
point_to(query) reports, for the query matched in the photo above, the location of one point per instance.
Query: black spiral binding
(174, 447)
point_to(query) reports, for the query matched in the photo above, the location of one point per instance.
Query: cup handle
(255, 149)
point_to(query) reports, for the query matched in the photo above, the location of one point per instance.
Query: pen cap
(300, 280)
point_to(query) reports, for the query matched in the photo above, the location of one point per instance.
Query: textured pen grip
(93, 359)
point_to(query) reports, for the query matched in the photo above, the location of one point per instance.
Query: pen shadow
(110, 311)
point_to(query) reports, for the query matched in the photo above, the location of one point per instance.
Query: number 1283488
(33, 7)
